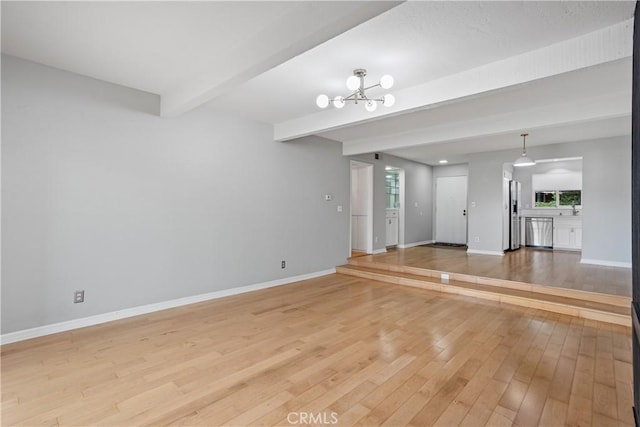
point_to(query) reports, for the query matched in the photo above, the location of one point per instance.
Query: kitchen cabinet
(567, 233)
(391, 221)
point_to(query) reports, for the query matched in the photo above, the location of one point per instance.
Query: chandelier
(356, 84)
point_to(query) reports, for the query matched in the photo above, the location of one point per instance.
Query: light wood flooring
(550, 268)
(368, 352)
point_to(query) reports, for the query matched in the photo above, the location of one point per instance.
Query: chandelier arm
(372, 86)
(363, 99)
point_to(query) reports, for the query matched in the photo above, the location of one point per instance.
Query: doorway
(451, 210)
(361, 239)
(394, 214)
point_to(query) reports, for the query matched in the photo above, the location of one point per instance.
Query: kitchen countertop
(543, 213)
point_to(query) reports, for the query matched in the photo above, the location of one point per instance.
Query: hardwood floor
(356, 254)
(551, 268)
(365, 352)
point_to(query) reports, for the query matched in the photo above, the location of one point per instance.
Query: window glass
(545, 199)
(570, 198)
(558, 198)
(393, 188)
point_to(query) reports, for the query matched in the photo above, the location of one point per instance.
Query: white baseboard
(379, 251)
(481, 252)
(149, 308)
(605, 263)
(411, 245)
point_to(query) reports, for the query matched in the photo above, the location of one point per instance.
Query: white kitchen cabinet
(578, 237)
(567, 233)
(391, 221)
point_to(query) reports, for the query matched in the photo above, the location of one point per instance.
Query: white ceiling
(186, 51)
(558, 69)
(417, 42)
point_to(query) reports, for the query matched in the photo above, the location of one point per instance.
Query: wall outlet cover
(78, 297)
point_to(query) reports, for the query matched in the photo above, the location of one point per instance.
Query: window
(545, 199)
(558, 198)
(393, 188)
(570, 198)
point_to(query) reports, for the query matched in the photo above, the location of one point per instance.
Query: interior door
(451, 209)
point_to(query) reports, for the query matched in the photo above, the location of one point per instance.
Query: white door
(451, 209)
(361, 206)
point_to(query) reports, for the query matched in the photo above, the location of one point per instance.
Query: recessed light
(443, 161)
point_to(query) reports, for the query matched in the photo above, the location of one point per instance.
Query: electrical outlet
(476, 239)
(78, 296)
(283, 264)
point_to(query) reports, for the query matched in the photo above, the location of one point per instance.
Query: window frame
(557, 199)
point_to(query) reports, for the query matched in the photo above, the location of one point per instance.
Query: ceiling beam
(561, 114)
(270, 48)
(605, 45)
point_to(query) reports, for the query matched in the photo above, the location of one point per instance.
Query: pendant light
(524, 160)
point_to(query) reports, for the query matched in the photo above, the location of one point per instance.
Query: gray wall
(606, 200)
(485, 191)
(418, 189)
(101, 194)
(606, 211)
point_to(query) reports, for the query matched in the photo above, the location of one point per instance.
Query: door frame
(401, 208)
(355, 164)
(506, 211)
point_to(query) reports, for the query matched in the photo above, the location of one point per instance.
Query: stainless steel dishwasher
(538, 232)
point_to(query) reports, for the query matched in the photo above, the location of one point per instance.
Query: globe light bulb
(353, 83)
(338, 102)
(371, 105)
(389, 100)
(322, 101)
(386, 82)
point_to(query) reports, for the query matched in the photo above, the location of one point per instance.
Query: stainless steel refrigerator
(514, 210)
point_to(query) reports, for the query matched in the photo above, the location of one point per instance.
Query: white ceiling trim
(561, 114)
(598, 47)
(274, 45)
